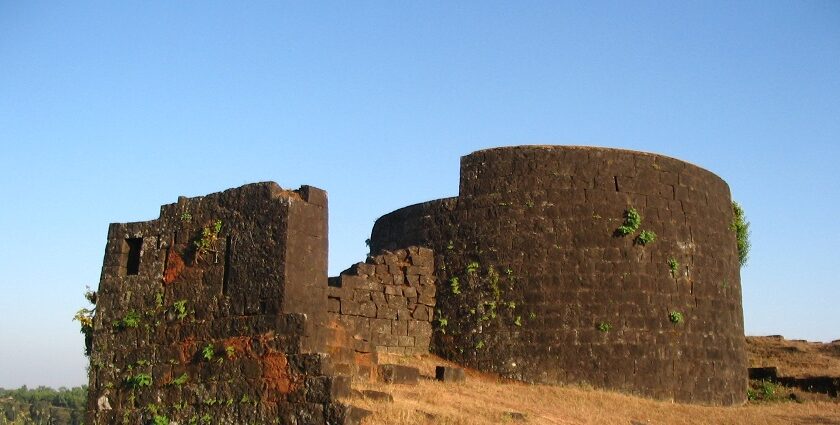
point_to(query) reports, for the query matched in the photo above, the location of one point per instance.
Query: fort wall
(210, 313)
(386, 304)
(536, 282)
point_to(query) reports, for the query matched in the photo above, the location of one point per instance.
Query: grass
(485, 399)
(794, 357)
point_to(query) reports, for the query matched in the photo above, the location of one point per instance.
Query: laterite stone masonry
(220, 311)
(534, 281)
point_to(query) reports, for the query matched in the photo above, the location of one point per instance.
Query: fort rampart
(586, 265)
(553, 265)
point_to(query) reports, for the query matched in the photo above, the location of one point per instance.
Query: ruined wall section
(196, 321)
(386, 304)
(535, 283)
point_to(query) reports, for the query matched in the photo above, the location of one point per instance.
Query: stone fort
(554, 264)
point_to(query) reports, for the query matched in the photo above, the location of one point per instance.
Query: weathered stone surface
(529, 267)
(449, 374)
(377, 395)
(399, 374)
(213, 308)
(397, 323)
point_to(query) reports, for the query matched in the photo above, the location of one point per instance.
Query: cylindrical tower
(565, 264)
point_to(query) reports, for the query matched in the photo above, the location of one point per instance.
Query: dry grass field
(485, 399)
(794, 357)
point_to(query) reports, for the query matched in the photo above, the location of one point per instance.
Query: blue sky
(110, 109)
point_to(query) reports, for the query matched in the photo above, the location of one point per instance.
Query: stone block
(399, 327)
(367, 309)
(399, 374)
(377, 395)
(421, 312)
(449, 374)
(410, 292)
(361, 295)
(333, 305)
(385, 312)
(405, 341)
(350, 307)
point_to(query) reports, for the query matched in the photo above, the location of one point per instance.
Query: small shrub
(455, 285)
(741, 227)
(85, 319)
(764, 390)
(768, 390)
(139, 380)
(208, 238)
(675, 317)
(180, 308)
(230, 351)
(130, 320)
(604, 326)
(186, 217)
(90, 295)
(632, 221)
(674, 265)
(181, 380)
(208, 352)
(472, 268)
(645, 237)
(442, 322)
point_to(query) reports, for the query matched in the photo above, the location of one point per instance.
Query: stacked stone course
(210, 313)
(387, 303)
(535, 283)
(220, 311)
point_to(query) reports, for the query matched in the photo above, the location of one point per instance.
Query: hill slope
(485, 399)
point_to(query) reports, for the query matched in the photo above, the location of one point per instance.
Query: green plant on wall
(180, 309)
(675, 317)
(181, 380)
(472, 268)
(442, 323)
(674, 266)
(139, 380)
(632, 221)
(741, 227)
(645, 237)
(130, 320)
(207, 240)
(208, 352)
(604, 326)
(455, 285)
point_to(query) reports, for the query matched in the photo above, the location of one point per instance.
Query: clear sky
(110, 109)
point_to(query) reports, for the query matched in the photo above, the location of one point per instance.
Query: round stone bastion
(581, 265)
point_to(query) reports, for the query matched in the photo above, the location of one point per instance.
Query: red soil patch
(174, 266)
(241, 346)
(277, 377)
(186, 349)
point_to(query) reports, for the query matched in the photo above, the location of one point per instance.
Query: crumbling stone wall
(386, 303)
(214, 314)
(535, 282)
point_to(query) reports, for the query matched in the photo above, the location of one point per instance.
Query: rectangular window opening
(132, 263)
